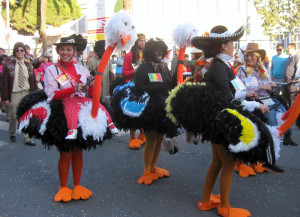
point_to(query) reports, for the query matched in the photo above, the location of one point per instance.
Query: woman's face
(20, 53)
(66, 53)
(251, 59)
(228, 48)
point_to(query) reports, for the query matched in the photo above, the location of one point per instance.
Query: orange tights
(64, 164)
(220, 160)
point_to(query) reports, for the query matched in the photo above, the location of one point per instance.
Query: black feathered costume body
(143, 106)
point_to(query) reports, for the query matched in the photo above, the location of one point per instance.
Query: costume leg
(64, 193)
(211, 175)
(142, 136)
(228, 163)
(133, 142)
(79, 192)
(109, 121)
(148, 153)
(210, 201)
(159, 171)
(77, 162)
(71, 109)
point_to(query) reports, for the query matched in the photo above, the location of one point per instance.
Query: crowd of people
(21, 74)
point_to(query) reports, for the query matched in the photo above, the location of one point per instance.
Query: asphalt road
(29, 181)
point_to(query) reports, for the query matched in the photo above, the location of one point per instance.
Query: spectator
(108, 75)
(2, 51)
(3, 108)
(290, 72)
(174, 61)
(28, 56)
(278, 64)
(79, 48)
(120, 63)
(40, 72)
(18, 81)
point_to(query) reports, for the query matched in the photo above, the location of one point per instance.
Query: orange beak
(125, 39)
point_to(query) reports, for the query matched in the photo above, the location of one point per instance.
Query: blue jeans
(272, 120)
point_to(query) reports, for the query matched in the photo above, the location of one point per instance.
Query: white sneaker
(113, 128)
(72, 134)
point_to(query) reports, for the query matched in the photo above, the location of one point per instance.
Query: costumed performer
(141, 105)
(132, 60)
(65, 81)
(57, 120)
(216, 116)
(256, 80)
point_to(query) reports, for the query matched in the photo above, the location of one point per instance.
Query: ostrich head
(120, 30)
(183, 33)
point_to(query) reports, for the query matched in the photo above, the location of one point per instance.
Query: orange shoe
(213, 203)
(161, 172)
(142, 138)
(135, 143)
(147, 178)
(237, 166)
(80, 192)
(233, 212)
(64, 194)
(245, 171)
(259, 168)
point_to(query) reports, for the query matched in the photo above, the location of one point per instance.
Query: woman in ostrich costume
(213, 114)
(64, 116)
(141, 105)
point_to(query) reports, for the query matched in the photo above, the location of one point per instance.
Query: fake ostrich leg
(180, 65)
(290, 116)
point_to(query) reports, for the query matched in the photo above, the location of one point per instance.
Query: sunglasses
(21, 50)
(279, 49)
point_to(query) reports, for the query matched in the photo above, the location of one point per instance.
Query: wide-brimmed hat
(67, 41)
(217, 34)
(253, 47)
(196, 50)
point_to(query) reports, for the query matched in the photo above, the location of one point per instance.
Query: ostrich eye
(133, 27)
(126, 23)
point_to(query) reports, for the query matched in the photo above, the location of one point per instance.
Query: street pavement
(29, 181)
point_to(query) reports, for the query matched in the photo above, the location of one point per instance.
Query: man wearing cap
(131, 62)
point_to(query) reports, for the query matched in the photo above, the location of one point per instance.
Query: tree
(279, 16)
(123, 4)
(28, 16)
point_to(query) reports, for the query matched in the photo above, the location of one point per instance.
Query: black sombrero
(67, 41)
(217, 34)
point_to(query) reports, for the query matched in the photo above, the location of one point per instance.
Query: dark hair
(99, 48)
(27, 46)
(2, 49)
(4, 56)
(79, 38)
(123, 52)
(212, 50)
(186, 55)
(134, 50)
(293, 45)
(17, 45)
(152, 46)
(279, 45)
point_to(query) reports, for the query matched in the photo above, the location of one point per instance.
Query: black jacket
(220, 75)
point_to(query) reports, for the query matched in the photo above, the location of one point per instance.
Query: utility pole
(8, 26)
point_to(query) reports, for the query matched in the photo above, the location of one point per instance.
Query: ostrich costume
(46, 119)
(142, 105)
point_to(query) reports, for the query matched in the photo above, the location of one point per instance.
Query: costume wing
(36, 117)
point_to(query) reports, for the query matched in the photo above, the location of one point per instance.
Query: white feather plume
(117, 26)
(183, 33)
(276, 140)
(90, 126)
